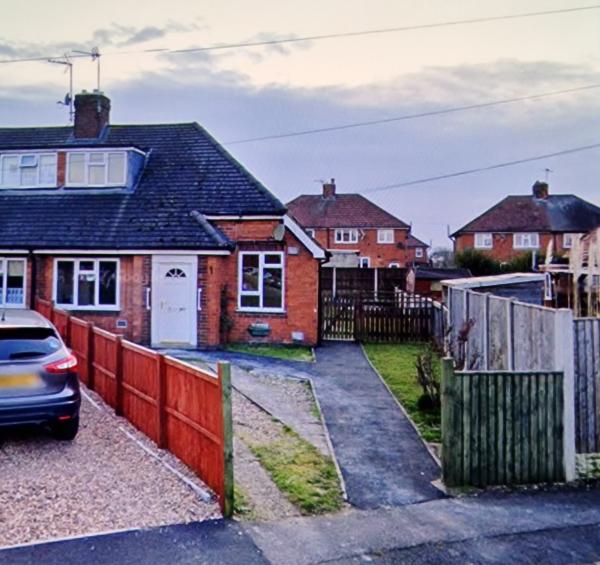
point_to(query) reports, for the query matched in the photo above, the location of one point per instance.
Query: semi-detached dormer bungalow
(151, 231)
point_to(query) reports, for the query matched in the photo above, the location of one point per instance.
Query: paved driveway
(102, 481)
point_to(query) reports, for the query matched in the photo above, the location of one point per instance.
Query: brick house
(356, 232)
(519, 224)
(154, 232)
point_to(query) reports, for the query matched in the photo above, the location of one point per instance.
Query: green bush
(478, 262)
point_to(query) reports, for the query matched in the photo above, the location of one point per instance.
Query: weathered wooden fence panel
(491, 333)
(502, 428)
(179, 406)
(587, 385)
(386, 317)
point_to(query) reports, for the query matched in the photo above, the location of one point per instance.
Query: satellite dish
(279, 232)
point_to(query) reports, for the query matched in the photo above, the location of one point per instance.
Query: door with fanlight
(173, 299)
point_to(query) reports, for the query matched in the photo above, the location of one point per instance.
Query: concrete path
(382, 458)
(486, 529)
(555, 528)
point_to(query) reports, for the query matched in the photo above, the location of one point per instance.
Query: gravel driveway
(104, 480)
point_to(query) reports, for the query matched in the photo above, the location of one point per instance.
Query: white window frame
(394, 265)
(261, 267)
(366, 260)
(419, 253)
(76, 271)
(518, 238)
(385, 236)
(86, 168)
(352, 236)
(3, 289)
(484, 240)
(38, 156)
(572, 237)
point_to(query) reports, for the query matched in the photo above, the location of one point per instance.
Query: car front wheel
(66, 430)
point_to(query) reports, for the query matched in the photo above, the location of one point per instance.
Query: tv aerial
(68, 99)
(67, 62)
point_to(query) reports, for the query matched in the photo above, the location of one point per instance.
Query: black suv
(38, 375)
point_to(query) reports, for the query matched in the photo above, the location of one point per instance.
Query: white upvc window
(346, 235)
(419, 252)
(96, 168)
(484, 241)
(13, 273)
(526, 240)
(569, 238)
(86, 284)
(394, 265)
(385, 236)
(28, 170)
(261, 281)
(364, 262)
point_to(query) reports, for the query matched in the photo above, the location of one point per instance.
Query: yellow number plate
(19, 381)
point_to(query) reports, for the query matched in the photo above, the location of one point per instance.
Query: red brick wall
(301, 287)
(216, 275)
(503, 245)
(61, 168)
(135, 277)
(381, 254)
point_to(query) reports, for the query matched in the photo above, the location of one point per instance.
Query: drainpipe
(33, 282)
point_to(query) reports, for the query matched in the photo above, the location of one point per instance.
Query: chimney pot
(329, 189)
(540, 190)
(92, 112)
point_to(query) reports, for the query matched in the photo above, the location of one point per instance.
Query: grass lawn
(396, 364)
(288, 352)
(306, 477)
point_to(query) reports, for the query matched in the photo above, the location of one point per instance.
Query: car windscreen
(27, 343)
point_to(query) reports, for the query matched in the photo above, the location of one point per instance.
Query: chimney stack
(329, 189)
(540, 190)
(92, 111)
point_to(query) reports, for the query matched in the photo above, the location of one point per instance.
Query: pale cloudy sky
(258, 91)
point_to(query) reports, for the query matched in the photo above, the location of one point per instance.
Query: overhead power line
(481, 169)
(320, 37)
(415, 116)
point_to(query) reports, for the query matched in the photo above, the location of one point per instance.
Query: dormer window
(28, 170)
(96, 168)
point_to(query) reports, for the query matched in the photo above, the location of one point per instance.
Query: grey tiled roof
(187, 176)
(556, 213)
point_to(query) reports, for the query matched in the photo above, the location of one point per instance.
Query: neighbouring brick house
(151, 231)
(355, 231)
(520, 224)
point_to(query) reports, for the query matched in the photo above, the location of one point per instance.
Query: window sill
(95, 309)
(260, 312)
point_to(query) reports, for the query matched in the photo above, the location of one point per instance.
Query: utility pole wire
(320, 37)
(481, 169)
(412, 116)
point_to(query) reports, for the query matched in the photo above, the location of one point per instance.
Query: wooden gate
(385, 317)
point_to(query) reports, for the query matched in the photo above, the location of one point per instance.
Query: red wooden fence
(179, 406)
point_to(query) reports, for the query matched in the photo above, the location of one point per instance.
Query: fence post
(161, 403)
(90, 355)
(224, 371)
(450, 453)
(564, 359)
(119, 376)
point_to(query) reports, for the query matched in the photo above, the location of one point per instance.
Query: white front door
(174, 287)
